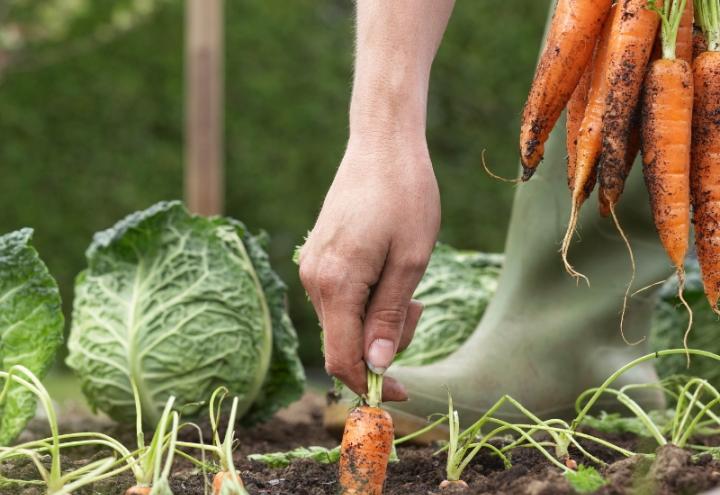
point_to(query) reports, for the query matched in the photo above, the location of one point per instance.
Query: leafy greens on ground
(458, 286)
(455, 291)
(31, 325)
(177, 304)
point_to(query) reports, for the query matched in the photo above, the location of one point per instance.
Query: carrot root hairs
(626, 297)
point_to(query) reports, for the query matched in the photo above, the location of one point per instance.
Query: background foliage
(91, 131)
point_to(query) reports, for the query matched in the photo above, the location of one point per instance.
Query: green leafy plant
(695, 400)
(161, 282)
(56, 481)
(455, 291)
(586, 479)
(31, 325)
(227, 480)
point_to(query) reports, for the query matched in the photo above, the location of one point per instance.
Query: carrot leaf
(707, 14)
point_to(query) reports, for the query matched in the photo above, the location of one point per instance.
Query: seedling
(692, 415)
(56, 481)
(227, 480)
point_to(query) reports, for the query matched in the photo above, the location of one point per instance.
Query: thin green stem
(139, 435)
(421, 431)
(41, 393)
(707, 15)
(582, 412)
(670, 17)
(99, 467)
(375, 383)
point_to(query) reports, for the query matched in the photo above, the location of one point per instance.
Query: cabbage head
(31, 325)
(455, 291)
(177, 304)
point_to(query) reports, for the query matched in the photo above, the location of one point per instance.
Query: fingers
(389, 309)
(393, 391)
(340, 304)
(414, 312)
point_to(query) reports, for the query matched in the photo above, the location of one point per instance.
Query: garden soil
(418, 472)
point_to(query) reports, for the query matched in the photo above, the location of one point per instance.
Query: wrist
(388, 105)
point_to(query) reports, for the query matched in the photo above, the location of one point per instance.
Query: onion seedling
(227, 480)
(56, 482)
(151, 476)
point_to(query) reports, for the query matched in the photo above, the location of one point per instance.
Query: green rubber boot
(544, 338)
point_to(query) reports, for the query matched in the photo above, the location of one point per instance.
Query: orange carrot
(138, 490)
(699, 43)
(574, 29)
(666, 140)
(633, 148)
(575, 113)
(589, 137)
(365, 451)
(666, 134)
(456, 486)
(631, 44)
(222, 477)
(705, 173)
(685, 36)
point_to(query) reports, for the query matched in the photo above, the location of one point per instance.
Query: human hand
(367, 253)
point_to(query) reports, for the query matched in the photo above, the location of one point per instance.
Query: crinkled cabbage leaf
(177, 304)
(455, 291)
(31, 325)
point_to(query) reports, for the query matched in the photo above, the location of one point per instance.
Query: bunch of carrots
(636, 76)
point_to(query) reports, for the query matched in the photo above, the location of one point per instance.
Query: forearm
(396, 44)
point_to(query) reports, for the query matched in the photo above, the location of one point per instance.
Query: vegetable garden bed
(418, 471)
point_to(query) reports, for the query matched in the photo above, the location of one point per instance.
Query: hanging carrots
(631, 44)
(589, 138)
(366, 445)
(706, 151)
(575, 113)
(666, 131)
(574, 29)
(686, 34)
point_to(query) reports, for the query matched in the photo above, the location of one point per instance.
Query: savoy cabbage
(31, 325)
(455, 291)
(177, 304)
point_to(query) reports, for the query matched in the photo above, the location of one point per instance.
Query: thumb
(387, 311)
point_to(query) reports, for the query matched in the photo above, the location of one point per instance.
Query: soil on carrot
(418, 472)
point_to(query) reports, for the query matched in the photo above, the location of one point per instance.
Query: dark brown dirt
(418, 472)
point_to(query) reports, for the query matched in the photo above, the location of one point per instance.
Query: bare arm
(378, 224)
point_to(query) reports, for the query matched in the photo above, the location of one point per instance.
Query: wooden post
(204, 177)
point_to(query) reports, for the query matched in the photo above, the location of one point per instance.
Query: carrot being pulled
(366, 445)
(705, 170)
(571, 39)
(631, 45)
(666, 140)
(589, 136)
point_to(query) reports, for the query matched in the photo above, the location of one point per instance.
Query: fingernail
(380, 355)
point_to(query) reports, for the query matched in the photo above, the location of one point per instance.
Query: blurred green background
(91, 123)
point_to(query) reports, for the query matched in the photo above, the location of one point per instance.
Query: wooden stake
(204, 177)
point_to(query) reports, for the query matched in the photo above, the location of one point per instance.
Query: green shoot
(227, 479)
(670, 14)
(585, 410)
(57, 482)
(586, 479)
(707, 15)
(375, 384)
